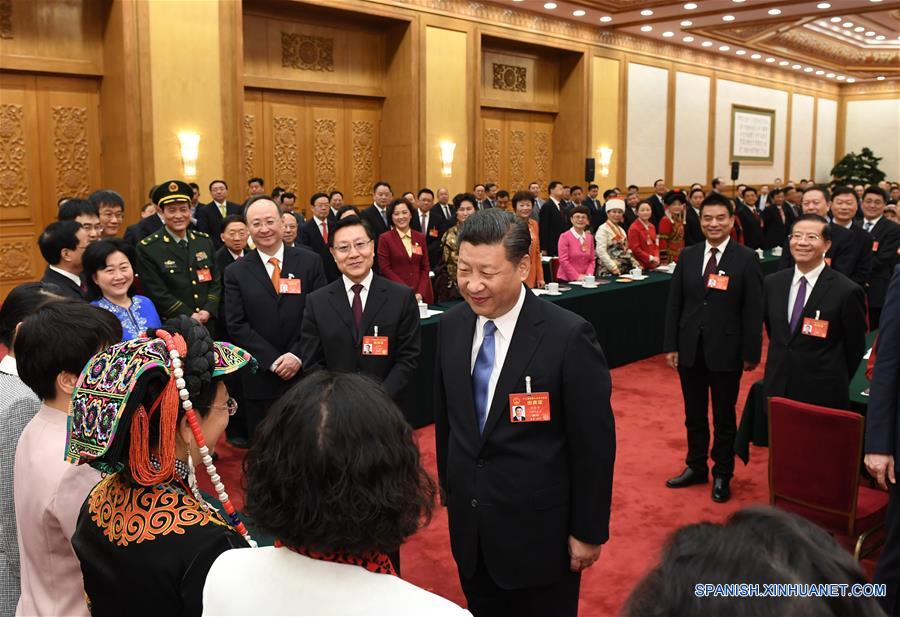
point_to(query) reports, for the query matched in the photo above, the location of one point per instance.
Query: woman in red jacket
(642, 238)
(402, 256)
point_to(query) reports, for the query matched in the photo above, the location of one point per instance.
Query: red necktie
(356, 306)
(711, 265)
(324, 232)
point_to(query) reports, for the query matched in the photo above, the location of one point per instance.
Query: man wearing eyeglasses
(266, 294)
(84, 213)
(816, 321)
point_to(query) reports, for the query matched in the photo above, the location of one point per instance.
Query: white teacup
(423, 310)
(777, 251)
(636, 272)
(759, 253)
(553, 288)
(589, 281)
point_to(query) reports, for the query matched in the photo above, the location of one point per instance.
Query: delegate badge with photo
(204, 275)
(718, 281)
(529, 407)
(375, 345)
(289, 286)
(813, 326)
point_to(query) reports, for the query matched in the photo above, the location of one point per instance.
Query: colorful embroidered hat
(112, 378)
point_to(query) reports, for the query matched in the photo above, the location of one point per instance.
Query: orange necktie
(276, 273)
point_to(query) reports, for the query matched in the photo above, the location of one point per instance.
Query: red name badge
(533, 407)
(717, 281)
(417, 249)
(828, 261)
(875, 246)
(204, 275)
(814, 327)
(375, 346)
(433, 232)
(289, 286)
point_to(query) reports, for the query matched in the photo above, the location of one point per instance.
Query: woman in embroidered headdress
(143, 413)
(336, 477)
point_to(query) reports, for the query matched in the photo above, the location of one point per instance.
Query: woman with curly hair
(142, 413)
(335, 476)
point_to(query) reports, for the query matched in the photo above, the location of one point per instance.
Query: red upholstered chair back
(814, 459)
(554, 268)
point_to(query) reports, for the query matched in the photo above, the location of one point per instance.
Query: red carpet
(651, 447)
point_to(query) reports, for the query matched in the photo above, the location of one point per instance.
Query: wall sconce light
(604, 154)
(190, 149)
(447, 149)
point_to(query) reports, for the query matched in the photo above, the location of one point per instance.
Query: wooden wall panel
(307, 144)
(49, 147)
(522, 80)
(517, 148)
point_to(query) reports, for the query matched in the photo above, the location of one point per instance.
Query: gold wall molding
(363, 156)
(70, 149)
(508, 77)
(307, 53)
(284, 129)
(491, 155)
(13, 182)
(822, 47)
(542, 157)
(517, 158)
(249, 145)
(887, 88)
(325, 154)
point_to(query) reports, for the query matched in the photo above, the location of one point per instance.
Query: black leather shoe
(688, 477)
(721, 492)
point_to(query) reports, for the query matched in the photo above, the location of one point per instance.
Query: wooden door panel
(363, 159)
(516, 149)
(253, 163)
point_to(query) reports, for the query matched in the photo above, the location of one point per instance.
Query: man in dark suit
(692, 232)
(846, 255)
(266, 293)
(62, 245)
(883, 439)
(445, 207)
(376, 214)
(713, 333)
(528, 501)
(314, 234)
(431, 223)
(885, 249)
(482, 202)
(552, 221)
(777, 220)
(816, 321)
(210, 216)
(751, 220)
(656, 201)
(598, 213)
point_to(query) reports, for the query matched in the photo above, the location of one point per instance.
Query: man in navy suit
(210, 216)
(62, 245)
(376, 214)
(883, 438)
(431, 222)
(314, 234)
(265, 295)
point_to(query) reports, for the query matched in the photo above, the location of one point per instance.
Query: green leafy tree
(859, 168)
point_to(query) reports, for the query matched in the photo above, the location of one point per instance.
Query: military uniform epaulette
(195, 233)
(156, 235)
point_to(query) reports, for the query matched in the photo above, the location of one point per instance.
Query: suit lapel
(783, 294)
(525, 341)
(258, 269)
(337, 295)
(374, 301)
(461, 374)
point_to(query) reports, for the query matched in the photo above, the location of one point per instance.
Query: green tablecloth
(754, 427)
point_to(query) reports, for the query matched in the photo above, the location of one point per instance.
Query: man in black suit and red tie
(314, 234)
(431, 222)
(885, 236)
(816, 321)
(713, 333)
(210, 216)
(528, 499)
(266, 294)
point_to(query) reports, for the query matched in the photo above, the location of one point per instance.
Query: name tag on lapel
(717, 281)
(204, 275)
(417, 249)
(289, 286)
(375, 346)
(433, 232)
(814, 327)
(529, 407)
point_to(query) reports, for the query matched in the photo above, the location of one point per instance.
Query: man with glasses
(885, 236)
(62, 245)
(816, 321)
(85, 214)
(266, 293)
(111, 209)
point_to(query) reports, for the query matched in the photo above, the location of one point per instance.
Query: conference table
(629, 318)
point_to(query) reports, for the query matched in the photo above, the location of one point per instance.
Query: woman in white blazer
(336, 478)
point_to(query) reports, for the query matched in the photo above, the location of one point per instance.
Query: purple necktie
(711, 265)
(356, 306)
(797, 311)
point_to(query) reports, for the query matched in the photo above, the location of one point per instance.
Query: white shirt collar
(279, 255)
(721, 248)
(8, 366)
(366, 282)
(872, 222)
(811, 277)
(847, 226)
(319, 221)
(506, 323)
(72, 277)
(577, 237)
(235, 255)
(220, 203)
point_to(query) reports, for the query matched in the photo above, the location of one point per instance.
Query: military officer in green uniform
(176, 264)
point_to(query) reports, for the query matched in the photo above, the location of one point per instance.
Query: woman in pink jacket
(576, 247)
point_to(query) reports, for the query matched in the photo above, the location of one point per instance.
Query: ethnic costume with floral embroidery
(145, 547)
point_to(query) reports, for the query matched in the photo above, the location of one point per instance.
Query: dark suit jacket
(330, 339)
(396, 265)
(265, 323)
(143, 228)
(730, 321)
(209, 219)
(310, 235)
(552, 222)
(849, 254)
(807, 368)
(67, 287)
(751, 224)
(223, 260)
(597, 215)
(520, 489)
(659, 209)
(437, 225)
(376, 225)
(882, 426)
(693, 234)
(774, 231)
(884, 259)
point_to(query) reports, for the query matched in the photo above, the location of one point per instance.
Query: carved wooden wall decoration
(13, 189)
(508, 77)
(517, 160)
(307, 53)
(491, 155)
(284, 129)
(325, 154)
(249, 145)
(542, 157)
(70, 148)
(6, 29)
(15, 259)
(363, 156)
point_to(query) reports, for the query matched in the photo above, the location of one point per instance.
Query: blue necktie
(481, 375)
